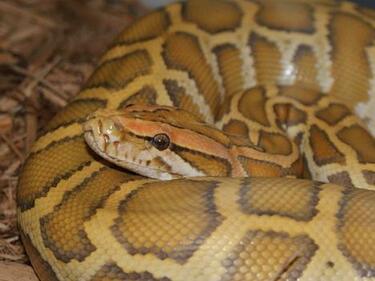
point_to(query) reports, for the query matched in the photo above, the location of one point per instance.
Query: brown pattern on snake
(300, 94)
(204, 14)
(266, 57)
(290, 256)
(119, 72)
(151, 26)
(230, 69)
(355, 222)
(351, 85)
(236, 127)
(145, 226)
(209, 164)
(111, 272)
(146, 95)
(71, 154)
(361, 141)
(292, 199)
(256, 99)
(76, 111)
(286, 16)
(305, 67)
(180, 98)
(275, 143)
(70, 241)
(342, 179)
(176, 47)
(324, 151)
(333, 114)
(259, 168)
(289, 115)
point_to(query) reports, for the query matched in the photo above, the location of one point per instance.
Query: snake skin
(289, 76)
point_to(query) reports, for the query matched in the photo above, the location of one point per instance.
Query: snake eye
(160, 141)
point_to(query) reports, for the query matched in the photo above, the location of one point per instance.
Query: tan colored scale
(284, 80)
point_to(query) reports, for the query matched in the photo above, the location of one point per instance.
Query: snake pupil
(160, 141)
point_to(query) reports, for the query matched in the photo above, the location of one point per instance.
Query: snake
(215, 141)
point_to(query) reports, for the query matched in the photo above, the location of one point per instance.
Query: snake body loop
(262, 91)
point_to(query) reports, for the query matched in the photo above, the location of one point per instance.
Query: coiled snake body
(282, 80)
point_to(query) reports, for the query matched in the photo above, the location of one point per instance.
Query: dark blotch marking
(342, 179)
(251, 190)
(207, 219)
(146, 95)
(111, 271)
(119, 72)
(75, 112)
(204, 13)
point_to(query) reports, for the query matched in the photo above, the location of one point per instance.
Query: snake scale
(279, 84)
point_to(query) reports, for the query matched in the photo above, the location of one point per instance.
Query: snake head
(109, 133)
(156, 141)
